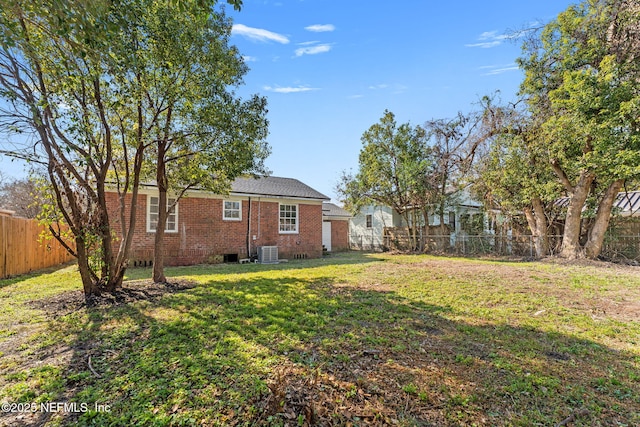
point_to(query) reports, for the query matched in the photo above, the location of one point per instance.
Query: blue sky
(330, 68)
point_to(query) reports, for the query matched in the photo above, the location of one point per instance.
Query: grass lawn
(352, 339)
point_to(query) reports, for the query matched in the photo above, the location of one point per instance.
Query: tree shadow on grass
(338, 259)
(292, 351)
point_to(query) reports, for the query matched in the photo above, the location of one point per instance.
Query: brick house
(212, 228)
(335, 228)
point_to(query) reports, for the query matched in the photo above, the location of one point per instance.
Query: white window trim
(366, 222)
(149, 230)
(297, 230)
(224, 218)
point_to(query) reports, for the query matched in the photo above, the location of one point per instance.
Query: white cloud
(313, 50)
(490, 39)
(380, 86)
(493, 70)
(487, 35)
(289, 89)
(248, 58)
(485, 45)
(320, 28)
(258, 34)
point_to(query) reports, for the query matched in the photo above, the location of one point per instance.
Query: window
(369, 219)
(288, 218)
(452, 221)
(232, 210)
(152, 215)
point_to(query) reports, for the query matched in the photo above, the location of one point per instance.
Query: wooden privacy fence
(23, 250)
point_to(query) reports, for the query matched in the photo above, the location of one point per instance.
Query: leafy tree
(516, 178)
(582, 82)
(414, 170)
(77, 80)
(58, 101)
(393, 162)
(205, 135)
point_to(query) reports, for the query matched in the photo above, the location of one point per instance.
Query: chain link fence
(617, 248)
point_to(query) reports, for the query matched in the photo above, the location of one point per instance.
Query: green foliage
(395, 169)
(581, 133)
(392, 163)
(515, 171)
(101, 84)
(204, 134)
(582, 81)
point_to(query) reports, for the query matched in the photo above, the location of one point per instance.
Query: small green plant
(410, 388)
(351, 392)
(464, 360)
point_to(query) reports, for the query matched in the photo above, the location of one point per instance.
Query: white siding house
(366, 228)
(464, 217)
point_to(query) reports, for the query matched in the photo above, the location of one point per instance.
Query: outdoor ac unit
(268, 254)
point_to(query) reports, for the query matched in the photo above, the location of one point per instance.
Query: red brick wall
(203, 236)
(339, 235)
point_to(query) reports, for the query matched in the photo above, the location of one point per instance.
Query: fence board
(22, 250)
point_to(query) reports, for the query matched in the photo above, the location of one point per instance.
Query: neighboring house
(627, 204)
(625, 216)
(206, 227)
(335, 228)
(366, 228)
(465, 217)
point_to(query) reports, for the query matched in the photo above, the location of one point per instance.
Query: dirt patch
(132, 291)
(601, 302)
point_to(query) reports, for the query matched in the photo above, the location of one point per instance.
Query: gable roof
(627, 203)
(331, 210)
(275, 186)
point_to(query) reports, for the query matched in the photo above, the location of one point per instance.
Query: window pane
(288, 218)
(153, 221)
(231, 209)
(153, 205)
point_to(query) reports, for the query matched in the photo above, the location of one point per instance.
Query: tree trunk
(89, 284)
(407, 220)
(599, 228)
(538, 231)
(542, 240)
(158, 250)
(425, 233)
(414, 231)
(571, 238)
(109, 266)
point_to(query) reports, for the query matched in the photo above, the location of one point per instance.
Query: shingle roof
(275, 186)
(331, 210)
(626, 203)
